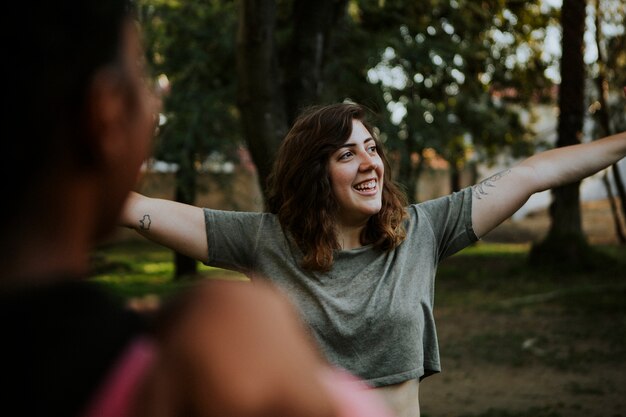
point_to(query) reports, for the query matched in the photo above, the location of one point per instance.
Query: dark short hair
(300, 193)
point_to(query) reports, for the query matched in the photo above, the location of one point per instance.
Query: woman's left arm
(499, 196)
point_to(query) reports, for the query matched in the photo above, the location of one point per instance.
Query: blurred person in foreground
(85, 119)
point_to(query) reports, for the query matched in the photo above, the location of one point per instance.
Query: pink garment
(115, 396)
(353, 397)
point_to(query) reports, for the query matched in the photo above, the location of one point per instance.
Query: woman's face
(356, 176)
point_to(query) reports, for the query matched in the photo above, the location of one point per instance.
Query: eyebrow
(352, 145)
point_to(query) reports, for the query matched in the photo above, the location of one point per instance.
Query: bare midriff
(402, 398)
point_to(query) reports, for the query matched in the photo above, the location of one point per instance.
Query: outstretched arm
(499, 196)
(175, 225)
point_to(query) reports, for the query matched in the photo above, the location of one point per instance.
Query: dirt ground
(496, 388)
(484, 388)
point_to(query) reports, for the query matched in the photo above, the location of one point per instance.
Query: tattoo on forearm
(480, 189)
(144, 224)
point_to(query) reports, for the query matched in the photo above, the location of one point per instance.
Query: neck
(349, 236)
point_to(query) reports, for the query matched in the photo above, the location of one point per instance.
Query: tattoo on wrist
(481, 189)
(144, 224)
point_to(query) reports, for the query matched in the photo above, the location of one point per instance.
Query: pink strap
(353, 397)
(114, 397)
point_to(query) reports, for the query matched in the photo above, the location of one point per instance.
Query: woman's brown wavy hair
(299, 189)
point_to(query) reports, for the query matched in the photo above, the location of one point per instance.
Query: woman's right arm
(174, 225)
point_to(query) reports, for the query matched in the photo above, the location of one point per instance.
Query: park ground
(516, 340)
(520, 341)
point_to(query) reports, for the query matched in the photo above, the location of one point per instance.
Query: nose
(368, 163)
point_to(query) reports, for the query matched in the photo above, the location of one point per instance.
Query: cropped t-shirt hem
(419, 373)
(431, 368)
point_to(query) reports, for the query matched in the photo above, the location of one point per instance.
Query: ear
(107, 117)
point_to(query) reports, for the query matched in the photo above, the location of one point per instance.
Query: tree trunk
(417, 168)
(184, 266)
(565, 243)
(272, 88)
(604, 121)
(619, 185)
(455, 176)
(259, 101)
(614, 211)
(185, 192)
(313, 22)
(411, 166)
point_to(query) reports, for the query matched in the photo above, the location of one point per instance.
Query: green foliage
(453, 61)
(192, 44)
(452, 68)
(461, 72)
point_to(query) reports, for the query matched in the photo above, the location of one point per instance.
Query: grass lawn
(138, 268)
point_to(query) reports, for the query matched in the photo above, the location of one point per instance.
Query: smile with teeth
(369, 185)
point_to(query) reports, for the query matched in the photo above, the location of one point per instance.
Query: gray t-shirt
(372, 313)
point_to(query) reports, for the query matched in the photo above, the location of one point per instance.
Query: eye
(372, 149)
(345, 155)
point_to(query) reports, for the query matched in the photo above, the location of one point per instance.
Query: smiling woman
(342, 243)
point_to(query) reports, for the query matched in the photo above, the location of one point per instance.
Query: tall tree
(306, 54)
(259, 99)
(277, 77)
(565, 242)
